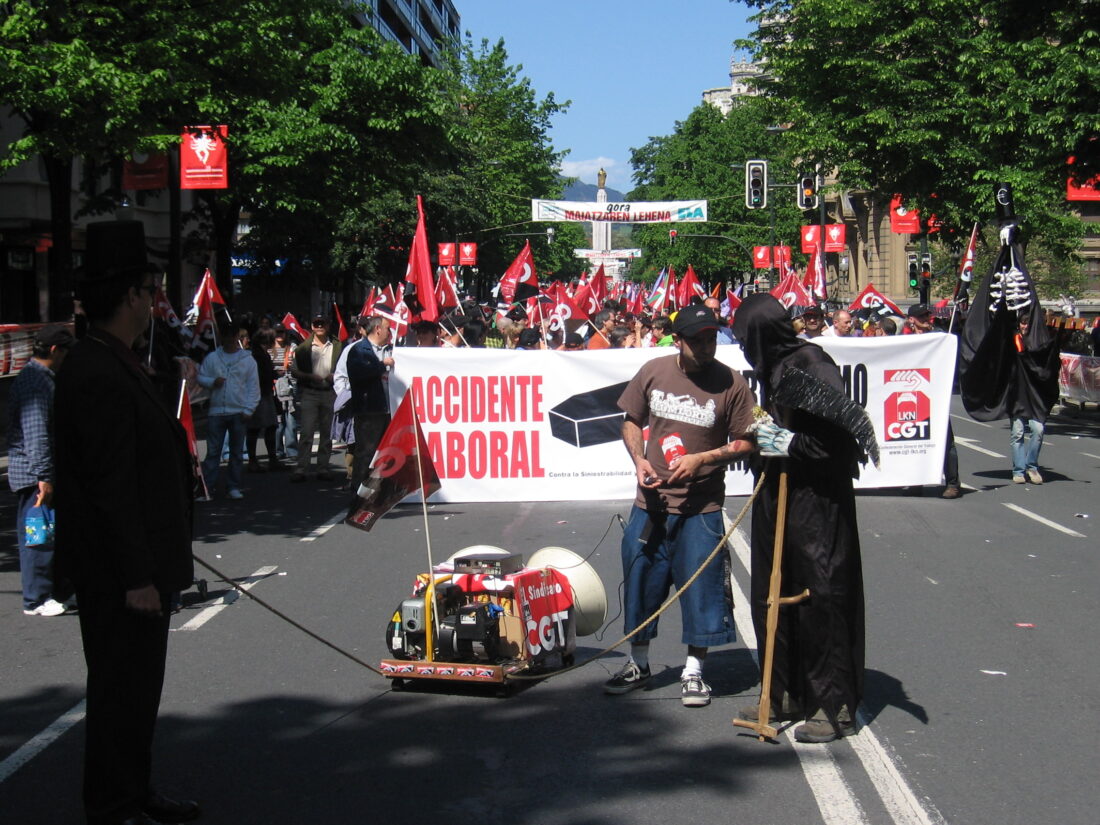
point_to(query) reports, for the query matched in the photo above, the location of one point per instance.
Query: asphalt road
(982, 684)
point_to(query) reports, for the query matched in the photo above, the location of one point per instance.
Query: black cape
(819, 651)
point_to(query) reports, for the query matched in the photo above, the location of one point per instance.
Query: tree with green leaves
(705, 158)
(940, 99)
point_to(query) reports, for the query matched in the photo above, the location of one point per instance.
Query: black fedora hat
(114, 249)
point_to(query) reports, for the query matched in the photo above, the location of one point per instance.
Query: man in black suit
(368, 364)
(124, 509)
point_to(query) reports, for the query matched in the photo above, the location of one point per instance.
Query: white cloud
(618, 177)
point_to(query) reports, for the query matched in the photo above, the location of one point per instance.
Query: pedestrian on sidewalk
(313, 367)
(229, 372)
(31, 466)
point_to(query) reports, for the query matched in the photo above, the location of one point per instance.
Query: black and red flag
(402, 465)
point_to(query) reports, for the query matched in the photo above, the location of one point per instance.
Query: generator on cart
(483, 616)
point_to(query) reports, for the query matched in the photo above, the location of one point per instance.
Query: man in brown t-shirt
(698, 412)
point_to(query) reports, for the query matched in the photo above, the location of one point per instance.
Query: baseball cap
(529, 338)
(694, 319)
(813, 311)
(919, 311)
(573, 339)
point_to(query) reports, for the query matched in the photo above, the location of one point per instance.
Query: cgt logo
(908, 412)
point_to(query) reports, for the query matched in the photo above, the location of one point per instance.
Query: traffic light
(672, 237)
(914, 273)
(756, 184)
(807, 193)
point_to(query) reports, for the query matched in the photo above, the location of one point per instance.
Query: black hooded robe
(819, 645)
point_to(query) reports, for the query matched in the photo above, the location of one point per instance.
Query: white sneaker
(50, 607)
(236, 494)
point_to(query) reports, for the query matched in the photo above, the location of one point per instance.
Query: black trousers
(369, 430)
(125, 653)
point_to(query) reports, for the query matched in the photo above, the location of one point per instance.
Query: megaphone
(589, 596)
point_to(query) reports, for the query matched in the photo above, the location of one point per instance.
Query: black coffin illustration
(589, 418)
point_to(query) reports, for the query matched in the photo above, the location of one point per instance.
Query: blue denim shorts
(665, 551)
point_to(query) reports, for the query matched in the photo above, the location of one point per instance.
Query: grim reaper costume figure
(819, 646)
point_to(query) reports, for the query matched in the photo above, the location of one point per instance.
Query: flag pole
(429, 594)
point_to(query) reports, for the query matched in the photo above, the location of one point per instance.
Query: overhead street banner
(641, 212)
(538, 425)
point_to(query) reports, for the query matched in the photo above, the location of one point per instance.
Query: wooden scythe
(763, 729)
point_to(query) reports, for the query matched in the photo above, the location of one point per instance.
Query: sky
(631, 70)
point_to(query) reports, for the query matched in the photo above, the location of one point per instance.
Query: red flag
(341, 330)
(183, 413)
(368, 303)
(814, 280)
(673, 299)
(564, 308)
(733, 299)
(291, 323)
(903, 221)
(446, 292)
(584, 299)
(598, 285)
(398, 316)
(791, 293)
(201, 314)
(689, 288)
(966, 266)
(402, 465)
(762, 257)
(203, 162)
(519, 281)
(834, 237)
(418, 274)
(871, 298)
(467, 254)
(447, 254)
(162, 309)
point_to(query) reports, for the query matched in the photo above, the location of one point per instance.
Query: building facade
(419, 26)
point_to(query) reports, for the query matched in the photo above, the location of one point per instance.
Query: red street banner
(401, 465)
(871, 298)
(145, 172)
(447, 254)
(761, 257)
(446, 291)
(834, 237)
(203, 161)
(810, 235)
(903, 221)
(467, 254)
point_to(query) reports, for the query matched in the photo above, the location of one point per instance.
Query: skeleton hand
(773, 440)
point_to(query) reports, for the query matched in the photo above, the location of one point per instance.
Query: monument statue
(601, 178)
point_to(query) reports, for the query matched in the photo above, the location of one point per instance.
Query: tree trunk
(59, 174)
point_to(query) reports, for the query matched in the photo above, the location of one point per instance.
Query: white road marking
(35, 745)
(324, 528)
(835, 799)
(38, 743)
(970, 420)
(1018, 509)
(968, 442)
(1090, 455)
(209, 613)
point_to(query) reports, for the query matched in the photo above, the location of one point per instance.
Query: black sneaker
(629, 678)
(694, 692)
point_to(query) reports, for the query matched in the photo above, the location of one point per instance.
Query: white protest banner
(621, 212)
(520, 425)
(1079, 378)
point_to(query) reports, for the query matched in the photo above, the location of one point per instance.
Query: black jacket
(124, 478)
